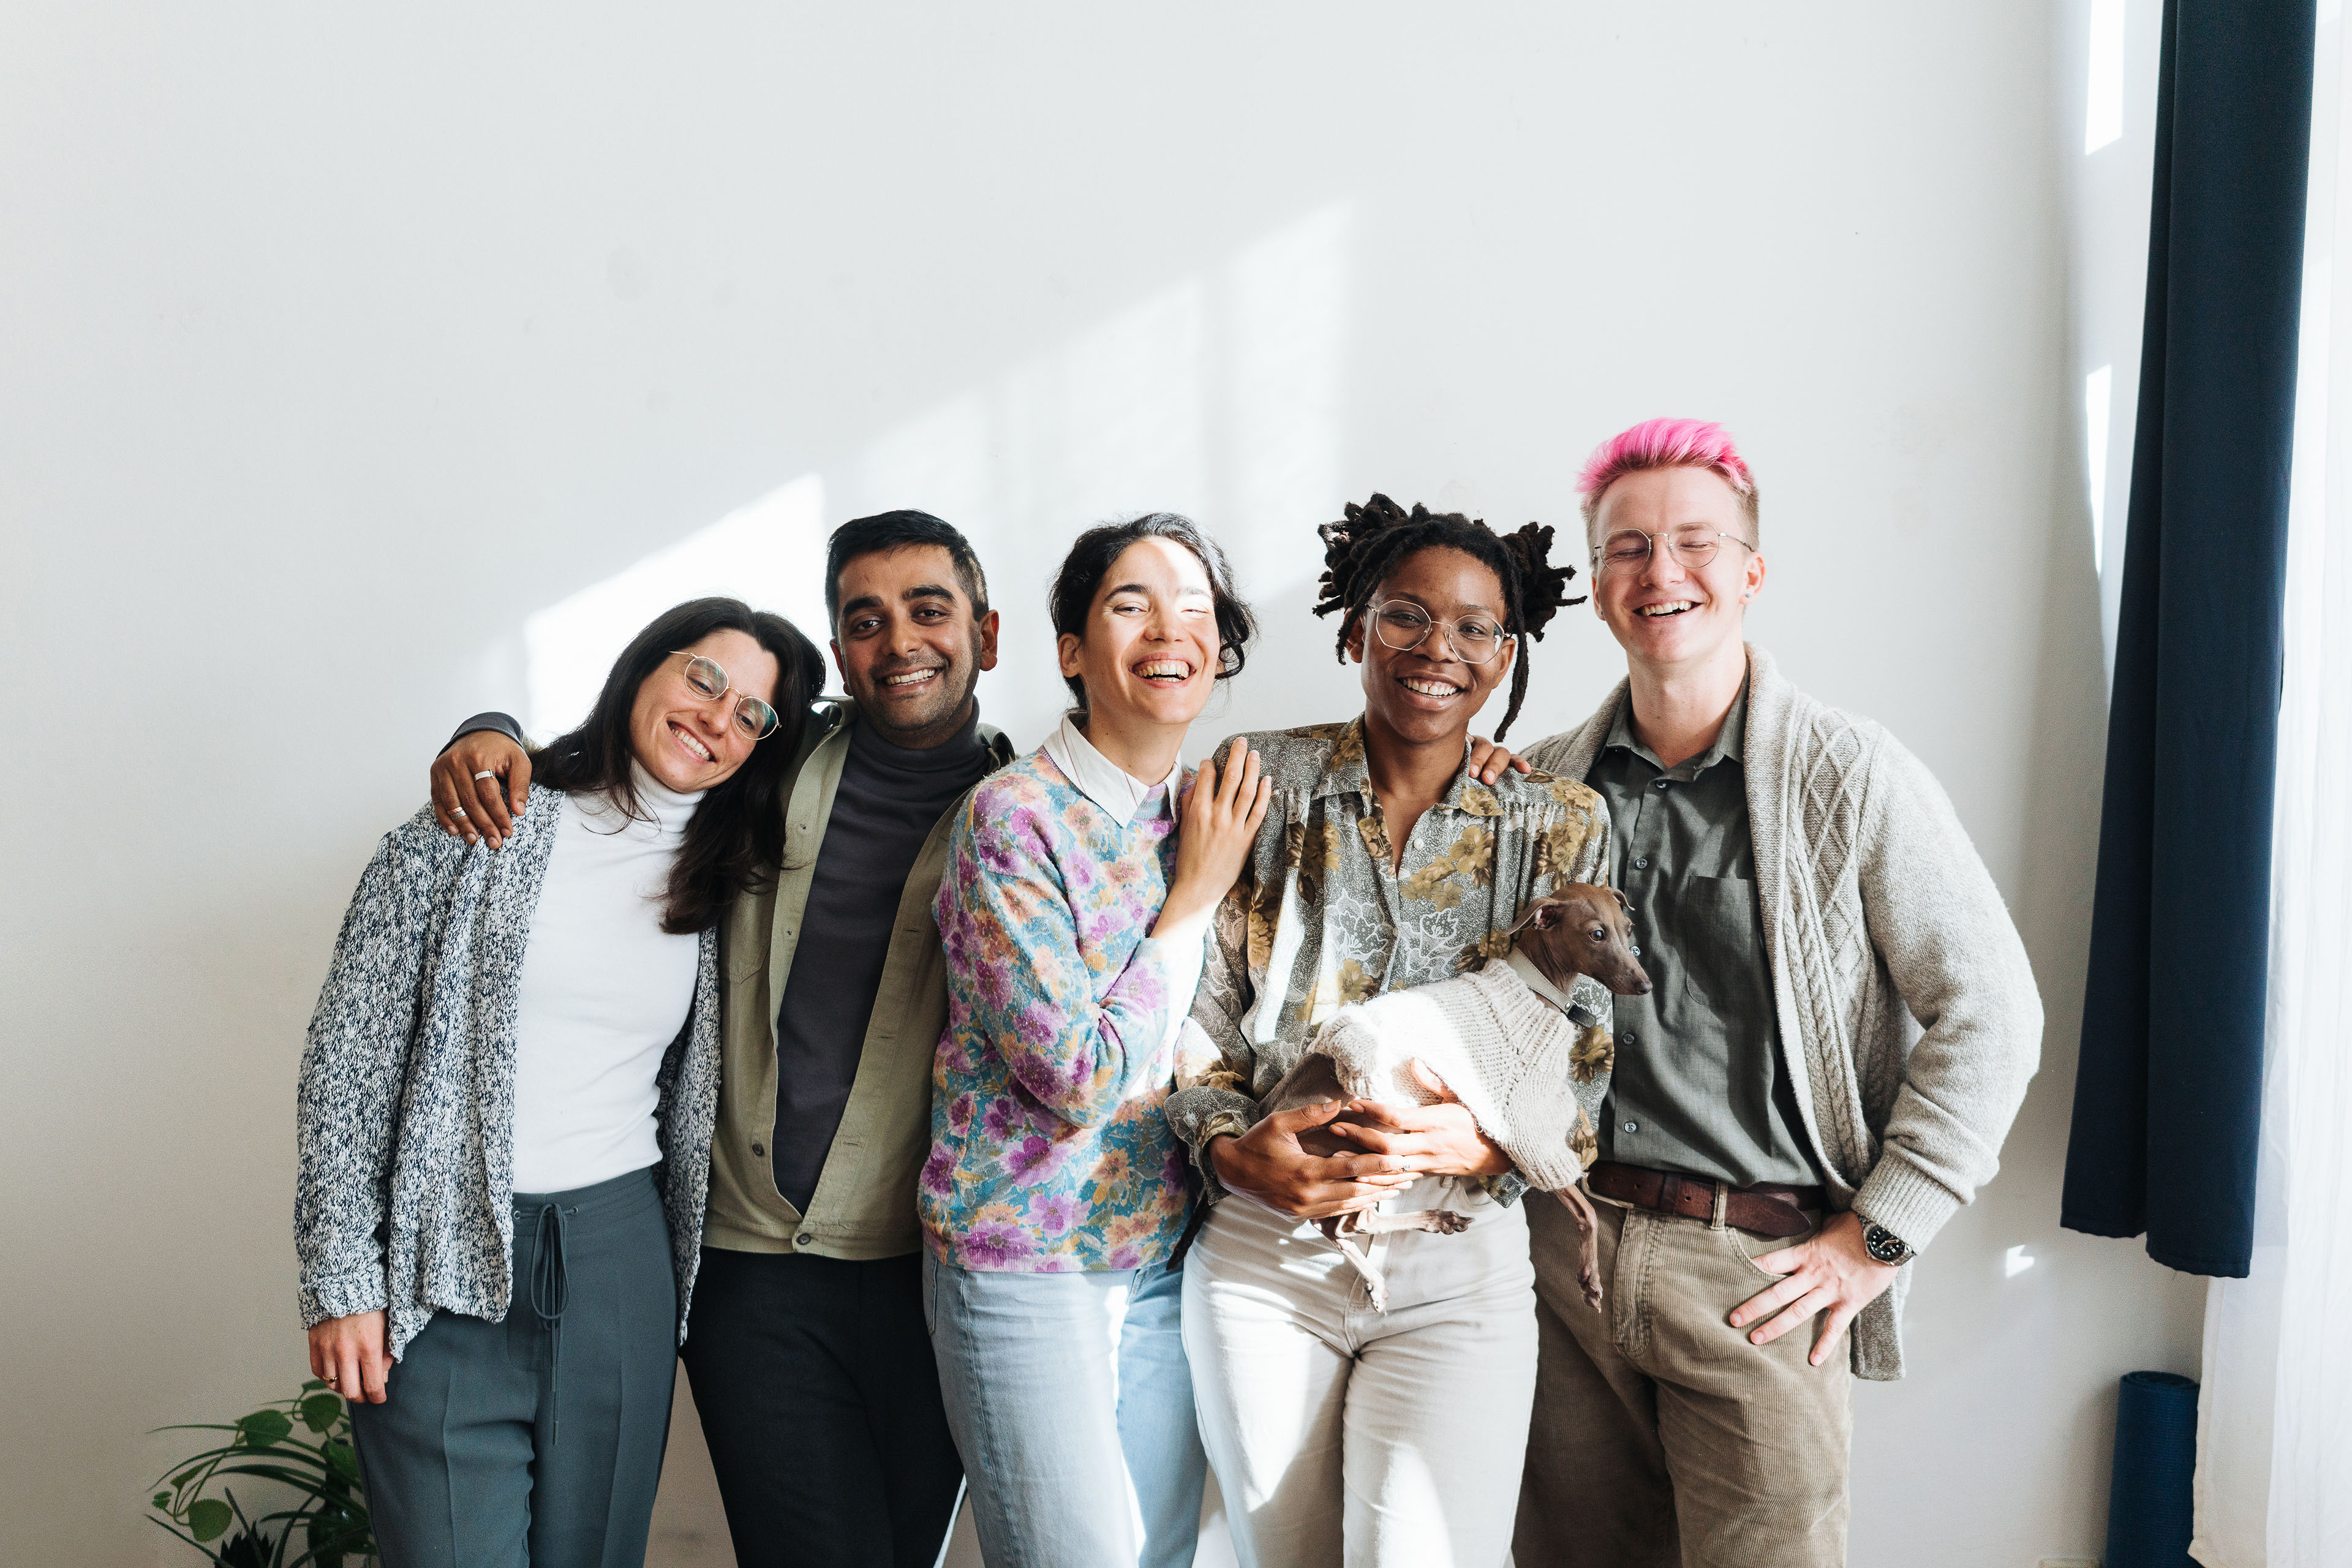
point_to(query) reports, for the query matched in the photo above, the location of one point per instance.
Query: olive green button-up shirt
(1700, 1088)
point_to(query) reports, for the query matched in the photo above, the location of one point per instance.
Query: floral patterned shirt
(1323, 916)
(1050, 1152)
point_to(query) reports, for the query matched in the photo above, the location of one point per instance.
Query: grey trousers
(538, 1442)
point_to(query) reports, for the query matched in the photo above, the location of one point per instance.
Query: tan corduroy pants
(1662, 1438)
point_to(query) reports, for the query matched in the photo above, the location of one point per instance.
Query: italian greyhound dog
(1580, 930)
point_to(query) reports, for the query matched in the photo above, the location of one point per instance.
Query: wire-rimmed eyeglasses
(1405, 625)
(707, 680)
(1692, 543)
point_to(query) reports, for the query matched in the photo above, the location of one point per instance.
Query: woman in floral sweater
(1341, 1432)
(1079, 888)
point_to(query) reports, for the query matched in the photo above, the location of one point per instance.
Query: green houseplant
(327, 1528)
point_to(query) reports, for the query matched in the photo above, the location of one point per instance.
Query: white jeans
(1343, 1437)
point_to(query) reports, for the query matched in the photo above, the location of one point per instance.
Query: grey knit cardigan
(404, 1117)
(1908, 1015)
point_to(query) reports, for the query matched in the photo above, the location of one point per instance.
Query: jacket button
(1642, 864)
(1632, 1127)
(1629, 1037)
(760, 1149)
(803, 1239)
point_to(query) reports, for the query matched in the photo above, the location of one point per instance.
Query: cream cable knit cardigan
(1908, 1014)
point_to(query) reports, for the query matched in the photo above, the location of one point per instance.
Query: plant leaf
(208, 1517)
(342, 1459)
(320, 1411)
(164, 1501)
(264, 1427)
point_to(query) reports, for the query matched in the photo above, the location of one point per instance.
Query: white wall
(345, 351)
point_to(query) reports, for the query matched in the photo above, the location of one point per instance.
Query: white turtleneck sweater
(604, 992)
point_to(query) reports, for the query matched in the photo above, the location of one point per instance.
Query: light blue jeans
(1071, 1405)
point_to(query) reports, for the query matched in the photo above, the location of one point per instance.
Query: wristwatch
(1883, 1245)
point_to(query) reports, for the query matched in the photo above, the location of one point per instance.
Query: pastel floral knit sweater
(1050, 1153)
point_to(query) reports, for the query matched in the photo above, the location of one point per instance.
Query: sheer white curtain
(2274, 1443)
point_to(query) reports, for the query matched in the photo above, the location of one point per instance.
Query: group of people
(921, 1096)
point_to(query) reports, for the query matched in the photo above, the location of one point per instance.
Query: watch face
(1883, 1244)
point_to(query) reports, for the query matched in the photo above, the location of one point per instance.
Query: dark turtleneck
(890, 800)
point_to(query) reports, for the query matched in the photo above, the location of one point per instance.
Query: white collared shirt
(1102, 781)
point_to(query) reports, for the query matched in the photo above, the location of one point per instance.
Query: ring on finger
(486, 774)
(457, 811)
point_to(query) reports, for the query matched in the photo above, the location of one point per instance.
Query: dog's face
(1583, 930)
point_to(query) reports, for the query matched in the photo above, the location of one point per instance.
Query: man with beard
(807, 1350)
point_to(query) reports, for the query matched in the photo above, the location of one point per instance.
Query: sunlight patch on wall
(2098, 404)
(769, 553)
(1290, 325)
(1220, 396)
(2103, 115)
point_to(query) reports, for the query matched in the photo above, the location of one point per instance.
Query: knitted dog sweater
(1502, 1049)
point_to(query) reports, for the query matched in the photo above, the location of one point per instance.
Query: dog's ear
(1619, 897)
(1543, 914)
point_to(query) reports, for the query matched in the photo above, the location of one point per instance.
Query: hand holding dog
(1440, 1139)
(1269, 1164)
(1830, 1272)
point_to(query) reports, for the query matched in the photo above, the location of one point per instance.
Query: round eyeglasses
(1692, 543)
(1405, 625)
(707, 682)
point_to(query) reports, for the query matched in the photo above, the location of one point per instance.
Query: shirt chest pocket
(740, 959)
(1719, 948)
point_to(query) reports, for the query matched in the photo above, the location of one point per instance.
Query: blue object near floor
(2150, 1508)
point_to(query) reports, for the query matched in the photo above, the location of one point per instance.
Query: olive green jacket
(863, 1206)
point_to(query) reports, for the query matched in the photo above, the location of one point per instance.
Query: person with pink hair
(1842, 1030)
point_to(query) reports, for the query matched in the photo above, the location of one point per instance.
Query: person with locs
(505, 1114)
(1342, 1431)
(810, 1360)
(1842, 1028)
(1079, 886)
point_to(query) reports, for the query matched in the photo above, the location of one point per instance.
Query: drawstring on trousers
(551, 1292)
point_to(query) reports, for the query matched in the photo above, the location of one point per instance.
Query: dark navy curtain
(2168, 1103)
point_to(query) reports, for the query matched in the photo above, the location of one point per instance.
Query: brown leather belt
(1767, 1208)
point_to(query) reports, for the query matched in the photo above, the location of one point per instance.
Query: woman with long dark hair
(1347, 1428)
(506, 1106)
(1079, 888)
